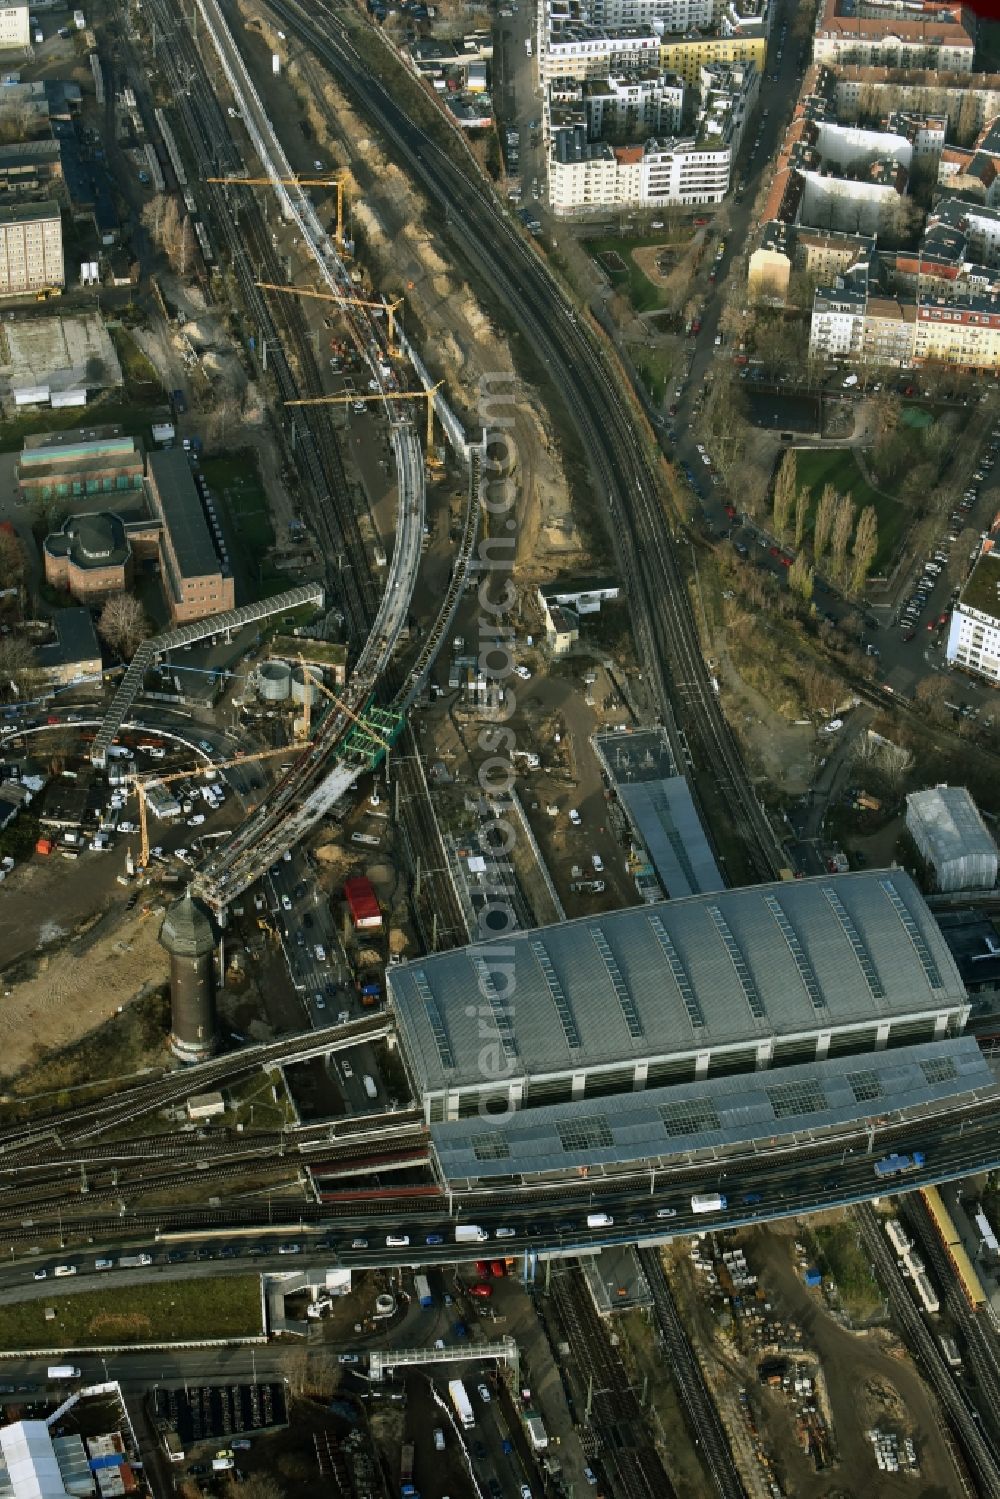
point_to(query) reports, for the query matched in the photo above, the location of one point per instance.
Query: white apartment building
(15, 35)
(578, 51)
(838, 320)
(974, 633)
(666, 15)
(632, 106)
(31, 255)
(585, 175)
(930, 34)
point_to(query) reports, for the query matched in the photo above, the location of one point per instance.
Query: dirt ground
(78, 985)
(869, 1380)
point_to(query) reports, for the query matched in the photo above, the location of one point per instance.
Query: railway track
(954, 1403)
(619, 1422)
(499, 255)
(702, 1412)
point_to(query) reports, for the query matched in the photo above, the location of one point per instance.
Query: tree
(823, 521)
(257, 1486)
(801, 515)
(843, 526)
(865, 547)
(887, 409)
(932, 692)
(17, 661)
(784, 492)
(967, 123)
(801, 577)
(11, 560)
(123, 624)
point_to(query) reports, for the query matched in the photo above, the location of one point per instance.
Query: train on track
(968, 1277)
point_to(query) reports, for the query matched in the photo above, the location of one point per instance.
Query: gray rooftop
(789, 958)
(170, 472)
(667, 821)
(76, 639)
(668, 1122)
(949, 823)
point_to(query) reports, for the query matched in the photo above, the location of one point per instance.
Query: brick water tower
(188, 937)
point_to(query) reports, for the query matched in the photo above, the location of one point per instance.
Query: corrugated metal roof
(666, 819)
(948, 821)
(32, 1469)
(743, 965)
(716, 1112)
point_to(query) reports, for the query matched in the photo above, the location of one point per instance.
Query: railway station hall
(648, 1033)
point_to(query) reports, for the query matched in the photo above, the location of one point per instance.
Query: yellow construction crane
(322, 687)
(392, 395)
(389, 308)
(338, 183)
(155, 779)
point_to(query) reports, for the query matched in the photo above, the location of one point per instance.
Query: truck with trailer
(895, 1164)
(461, 1402)
(708, 1202)
(407, 1489)
(134, 1261)
(470, 1233)
(63, 1371)
(422, 1288)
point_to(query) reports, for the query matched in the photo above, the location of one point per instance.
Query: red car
(943, 620)
(774, 551)
(932, 624)
(499, 1269)
(730, 511)
(482, 1288)
(909, 635)
(785, 561)
(700, 222)
(482, 1269)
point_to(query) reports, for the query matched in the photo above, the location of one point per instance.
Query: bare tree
(843, 525)
(932, 692)
(865, 547)
(123, 624)
(801, 577)
(17, 662)
(784, 492)
(823, 520)
(801, 515)
(11, 560)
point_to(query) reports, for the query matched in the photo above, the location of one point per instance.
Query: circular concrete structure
(304, 687)
(189, 938)
(274, 681)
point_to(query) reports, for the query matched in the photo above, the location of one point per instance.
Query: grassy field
(644, 296)
(846, 1263)
(236, 483)
(655, 367)
(838, 466)
(169, 1311)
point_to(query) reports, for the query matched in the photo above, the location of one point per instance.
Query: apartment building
(31, 254)
(906, 34)
(888, 333)
(592, 174)
(974, 632)
(667, 15)
(978, 223)
(964, 332)
(631, 106)
(925, 90)
(687, 55)
(582, 51)
(837, 325)
(15, 33)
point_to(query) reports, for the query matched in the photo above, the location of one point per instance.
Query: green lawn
(160, 1311)
(236, 484)
(644, 296)
(655, 367)
(838, 466)
(845, 1262)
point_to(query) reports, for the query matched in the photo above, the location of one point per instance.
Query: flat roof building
(31, 250)
(74, 654)
(198, 581)
(677, 991)
(951, 838)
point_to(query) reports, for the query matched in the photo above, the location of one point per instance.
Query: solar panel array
(750, 991)
(915, 935)
(691, 1005)
(802, 963)
(875, 985)
(434, 1020)
(500, 1012)
(558, 995)
(618, 983)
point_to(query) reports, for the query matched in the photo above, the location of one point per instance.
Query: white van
(65, 1270)
(599, 1220)
(397, 1241)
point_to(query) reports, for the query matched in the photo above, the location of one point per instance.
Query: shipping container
(421, 1286)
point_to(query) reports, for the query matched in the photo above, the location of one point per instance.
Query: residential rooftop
(982, 588)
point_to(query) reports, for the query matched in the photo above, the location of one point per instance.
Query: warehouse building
(716, 985)
(197, 577)
(952, 839)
